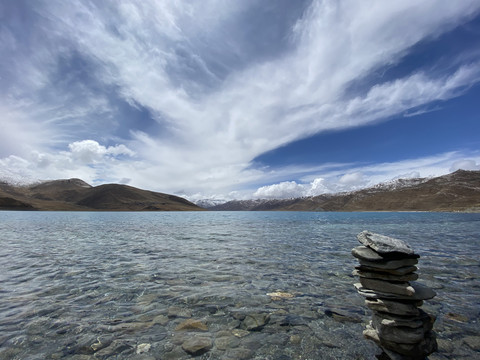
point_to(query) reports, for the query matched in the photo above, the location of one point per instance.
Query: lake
(125, 285)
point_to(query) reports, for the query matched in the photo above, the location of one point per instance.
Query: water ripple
(76, 285)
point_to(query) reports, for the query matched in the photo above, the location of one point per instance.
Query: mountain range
(77, 195)
(458, 191)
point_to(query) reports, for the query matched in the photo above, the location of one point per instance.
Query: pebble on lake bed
(143, 348)
(279, 295)
(386, 270)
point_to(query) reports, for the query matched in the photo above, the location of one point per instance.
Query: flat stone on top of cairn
(385, 245)
(387, 273)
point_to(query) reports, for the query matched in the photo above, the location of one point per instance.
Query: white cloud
(87, 151)
(348, 177)
(90, 151)
(85, 159)
(286, 189)
(465, 164)
(352, 179)
(217, 104)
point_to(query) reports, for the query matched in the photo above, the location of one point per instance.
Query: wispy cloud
(215, 99)
(423, 110)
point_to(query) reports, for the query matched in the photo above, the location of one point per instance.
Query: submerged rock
(192, 324)
(473, 342)
(176, 311)
(116, 347)
(292, 320)
(240, 353)
(226, 342)
(342, 316)
(197, 345)
(255, 322)
(160, 319)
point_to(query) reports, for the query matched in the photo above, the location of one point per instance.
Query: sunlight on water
(78, 285)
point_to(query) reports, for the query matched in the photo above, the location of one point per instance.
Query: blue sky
(238, 99)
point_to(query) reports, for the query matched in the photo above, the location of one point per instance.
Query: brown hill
(77, 195)
(459, 191)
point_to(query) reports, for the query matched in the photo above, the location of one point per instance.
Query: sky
(226, 99)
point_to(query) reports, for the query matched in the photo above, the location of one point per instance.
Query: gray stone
(473, 342)
(400, 271)
(254, 322)
(238, 354)
(365, 253)
(388, 265)
(291, 320)
(160, 319)
(197, 345)
(295, 339)
(178, 338)
(385, 245)
(398, 334)
(416, 351)
(393, 355)
(342, 316)
(227, 342)
(402, 288)
(445, 345)
(127, 327)
(394, 307)
(176, 311)
(421, 293)
(174, 354)
(385, 276)
(423, 320)
(116, 347)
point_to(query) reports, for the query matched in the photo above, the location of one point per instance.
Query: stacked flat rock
(387, 281)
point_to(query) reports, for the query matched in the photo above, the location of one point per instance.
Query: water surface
(86, 285)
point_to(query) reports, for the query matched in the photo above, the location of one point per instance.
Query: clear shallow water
(97, 285)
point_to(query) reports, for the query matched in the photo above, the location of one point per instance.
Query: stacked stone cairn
(387, 273)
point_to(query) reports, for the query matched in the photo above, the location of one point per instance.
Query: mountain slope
(77, 195)
(459, 191)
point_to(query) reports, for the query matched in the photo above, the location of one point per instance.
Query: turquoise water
(85, 285)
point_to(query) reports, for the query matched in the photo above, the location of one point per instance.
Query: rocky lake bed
(219, 285)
